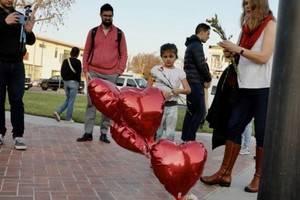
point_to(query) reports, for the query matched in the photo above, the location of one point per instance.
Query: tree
(143, 63)
(51, 12)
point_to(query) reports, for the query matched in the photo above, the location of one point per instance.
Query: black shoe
(85, 137)
(103, 138)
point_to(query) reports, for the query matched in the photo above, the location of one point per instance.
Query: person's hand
(166, 95)
(88, 77)
(207, 84)
(175, 91)
(229, 46)
(227, 54)
(12, 18)
(29, 25)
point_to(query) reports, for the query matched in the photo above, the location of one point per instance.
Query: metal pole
(281, 166)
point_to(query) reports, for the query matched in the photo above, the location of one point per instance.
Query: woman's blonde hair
(260, 10)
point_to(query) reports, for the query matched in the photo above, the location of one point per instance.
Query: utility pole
(281, 165)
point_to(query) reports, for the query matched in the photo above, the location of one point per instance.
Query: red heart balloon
(129, 139)
(142, 109)
(105, 96)
(178, 167)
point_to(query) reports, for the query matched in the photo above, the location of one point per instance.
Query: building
(44, 58)
(216, 60)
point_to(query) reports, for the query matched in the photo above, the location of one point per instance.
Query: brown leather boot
(223, 176)
(253, 186)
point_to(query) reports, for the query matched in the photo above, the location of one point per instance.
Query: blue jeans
(12, 79)
(195, 114)
(246, 136)
(71, 89)
(252, 103)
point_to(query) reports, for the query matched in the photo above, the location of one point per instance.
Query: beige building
(216, 60)
(44, 58)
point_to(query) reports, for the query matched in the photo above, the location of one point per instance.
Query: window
(120, 82)
(55, 53)
(131, 83)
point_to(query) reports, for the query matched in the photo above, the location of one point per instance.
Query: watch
(242, 51)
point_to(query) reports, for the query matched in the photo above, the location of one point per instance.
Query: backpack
(94, 31)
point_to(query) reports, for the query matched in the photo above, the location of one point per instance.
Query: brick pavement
(56, 167)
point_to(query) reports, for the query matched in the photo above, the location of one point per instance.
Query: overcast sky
(149, 24)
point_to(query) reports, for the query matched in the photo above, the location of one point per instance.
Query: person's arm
(201, 64)
(185, 88)
(150, 81)
(260, 57)
(87, 49)
(123, 55)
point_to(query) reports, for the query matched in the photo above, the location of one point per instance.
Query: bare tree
(143, 63)
(48, 12)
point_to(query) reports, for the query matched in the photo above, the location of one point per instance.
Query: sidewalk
(56, 167)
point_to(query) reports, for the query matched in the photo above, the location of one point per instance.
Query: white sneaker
(245, 151)
(19, 143)
(56, 116)
(69, 121)
(1, 139)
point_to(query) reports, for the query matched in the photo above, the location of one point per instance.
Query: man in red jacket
(105, 57)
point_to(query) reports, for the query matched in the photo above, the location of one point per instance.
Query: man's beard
(107, 23)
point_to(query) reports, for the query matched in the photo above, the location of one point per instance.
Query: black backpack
(94, 31)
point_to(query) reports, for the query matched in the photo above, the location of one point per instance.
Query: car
(28, 83)
(37, 83)
(131, 81)
(56, 82)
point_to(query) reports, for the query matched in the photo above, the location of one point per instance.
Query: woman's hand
(230, 47)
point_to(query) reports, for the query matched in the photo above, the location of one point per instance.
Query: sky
(149, 24)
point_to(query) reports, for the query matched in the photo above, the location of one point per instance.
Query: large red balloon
(105, 96)
(142, 109)
(178, 167)
(129, 139)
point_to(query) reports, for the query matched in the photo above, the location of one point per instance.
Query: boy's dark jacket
(195, 65)
(10, 48)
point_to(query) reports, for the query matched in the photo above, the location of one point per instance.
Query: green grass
(41, 103)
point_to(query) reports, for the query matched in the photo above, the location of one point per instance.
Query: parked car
(28, 83)
(37, 83)
(56, 82)
(131, 81)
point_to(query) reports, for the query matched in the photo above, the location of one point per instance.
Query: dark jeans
(12, 79)
(252, 103)
(195, 112)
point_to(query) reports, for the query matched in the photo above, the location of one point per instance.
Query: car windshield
(142, 83)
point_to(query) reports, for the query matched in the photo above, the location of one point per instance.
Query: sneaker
(69, 121)
(245, 151)
(19, 143)
(56, 116)
(1, 139)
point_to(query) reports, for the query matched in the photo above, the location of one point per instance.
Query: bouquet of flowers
(214, 23)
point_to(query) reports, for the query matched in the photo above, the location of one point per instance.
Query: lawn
(44, 103)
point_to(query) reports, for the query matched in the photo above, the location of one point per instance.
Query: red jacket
(106, 59)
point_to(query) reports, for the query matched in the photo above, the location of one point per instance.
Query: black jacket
(10, 47)
(220, 110)
(67, 74)
(195, 65)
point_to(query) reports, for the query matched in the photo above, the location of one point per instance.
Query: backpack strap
(91, 52)
(119, 39)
